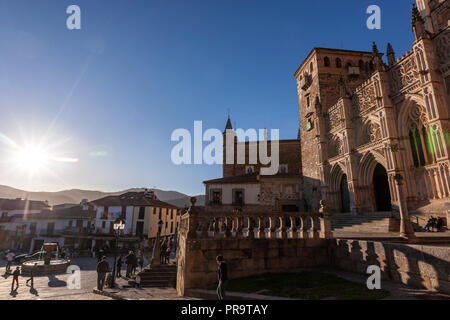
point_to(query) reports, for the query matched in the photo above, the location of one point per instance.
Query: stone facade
(376, 134)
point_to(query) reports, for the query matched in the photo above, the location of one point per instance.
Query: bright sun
(32, 159)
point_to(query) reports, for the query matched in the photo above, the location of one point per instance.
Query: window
(338, 63)
(154, 210)
(140, 228)
(103, 224)
(171, 227)
(105, 213)
(70, 223)
(308, 102)
(171, 213)
(141, 213)
(160, 213)
(249, 169)
(216, 197)
(311, 67)
(238, 197)
(50, 228)
(326, 61)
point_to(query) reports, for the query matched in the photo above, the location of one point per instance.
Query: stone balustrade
(255, 226)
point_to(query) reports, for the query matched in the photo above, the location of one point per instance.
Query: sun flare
(32, 159)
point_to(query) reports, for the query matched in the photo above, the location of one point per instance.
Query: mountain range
(74, 196)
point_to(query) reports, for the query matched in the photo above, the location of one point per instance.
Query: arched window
(338, 63)
(326, 61)
(311, 67)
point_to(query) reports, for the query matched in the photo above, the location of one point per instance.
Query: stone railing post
(325, 221)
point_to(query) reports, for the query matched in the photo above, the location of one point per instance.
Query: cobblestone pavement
(53, 287)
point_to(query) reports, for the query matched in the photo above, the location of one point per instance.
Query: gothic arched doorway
(345, 195)
(381, 189)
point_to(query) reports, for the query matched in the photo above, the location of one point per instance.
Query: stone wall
(419, 266)
(245, 257)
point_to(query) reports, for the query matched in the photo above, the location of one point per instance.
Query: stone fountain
(46, 265)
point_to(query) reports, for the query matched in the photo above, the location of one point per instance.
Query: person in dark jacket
(31, 279)
(162, 254)
(222, 275)
(102, 270)
(119, 266)
(16, 275)
(130, 261)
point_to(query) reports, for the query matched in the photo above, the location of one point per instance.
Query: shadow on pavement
(55, 282)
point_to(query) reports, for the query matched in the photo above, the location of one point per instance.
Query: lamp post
(156, 248)
(118, 227)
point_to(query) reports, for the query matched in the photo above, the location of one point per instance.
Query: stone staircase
(373, 222)
(161, 276)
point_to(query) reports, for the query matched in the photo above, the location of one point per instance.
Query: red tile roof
(22, 204)
(137, 199)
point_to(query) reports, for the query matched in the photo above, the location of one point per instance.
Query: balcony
(353, 71)
(306, 82)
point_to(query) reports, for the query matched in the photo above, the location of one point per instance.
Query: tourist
(222, 275)
(119, 266)
(439, 224)
(102, 270)
(130, 261)
(32, 271)
(167, 256)
(429, 224)
(162, 254)
(9, 258)
(16, 275)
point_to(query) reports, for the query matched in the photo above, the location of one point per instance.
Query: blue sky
(111, 93)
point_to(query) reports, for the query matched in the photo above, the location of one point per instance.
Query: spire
(376, 57)
(374, 49)
(418, 24)
(390, 54)
(228, 125)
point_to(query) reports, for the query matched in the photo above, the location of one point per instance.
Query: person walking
(9, 259)
(222, 275)
(162, 254)
(130, 261)
(102, 270)
(31, 279)
(119, 266)
(15, 279)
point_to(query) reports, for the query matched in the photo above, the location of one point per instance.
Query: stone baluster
(251, 229)
(314, 227)
(239, 231)
(261, 228)
(216, 228)
(292, 230)
(282, 230)
(227, 227)
(303, 227)
(272, 227)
